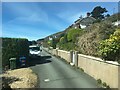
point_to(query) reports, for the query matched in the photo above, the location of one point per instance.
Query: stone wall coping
(63, 51)
(100, 60)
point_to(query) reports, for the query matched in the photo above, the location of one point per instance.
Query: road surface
(55, 73)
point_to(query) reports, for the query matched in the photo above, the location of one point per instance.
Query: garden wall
(107, 71)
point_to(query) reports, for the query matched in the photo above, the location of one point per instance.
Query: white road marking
(47, 80)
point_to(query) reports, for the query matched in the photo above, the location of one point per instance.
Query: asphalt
(55, 73)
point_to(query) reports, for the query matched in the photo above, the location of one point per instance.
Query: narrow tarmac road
(55, 73)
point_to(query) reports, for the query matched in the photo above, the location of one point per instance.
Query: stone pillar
(71, 56)
(51, 50)
(56, 51)
(76, 58)
(73, 60)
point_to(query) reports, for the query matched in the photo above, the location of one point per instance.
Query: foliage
(63, 39)
(104, 84)
(82, 69)
(88, 42)
(114, 17)
(14, 47)
(109, 49)
(99, 81)
(98, 12)
(67, 46)
(72, 34)
(68, 41)
(53, 42)
(106, 29)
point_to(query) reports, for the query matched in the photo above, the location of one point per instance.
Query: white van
(34, 51)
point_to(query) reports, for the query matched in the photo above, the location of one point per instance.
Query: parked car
(34, 51)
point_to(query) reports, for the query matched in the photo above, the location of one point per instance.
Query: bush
(114, 17)
(106, 29)
(14, 47)
(109, 49)
(88, 42)
(104, 84)
(72, 34)
(67, 46)
(99, 81)
(63, 39)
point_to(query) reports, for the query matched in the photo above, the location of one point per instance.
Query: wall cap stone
(100, 60)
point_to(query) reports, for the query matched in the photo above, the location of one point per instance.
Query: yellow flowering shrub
(109, 49)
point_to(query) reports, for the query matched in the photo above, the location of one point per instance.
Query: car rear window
(34, 48)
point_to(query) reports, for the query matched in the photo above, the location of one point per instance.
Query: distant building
(84, 22)
(40, 41)
(116, 23)
(50, 38)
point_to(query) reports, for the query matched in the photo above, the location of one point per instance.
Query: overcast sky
(35, 20)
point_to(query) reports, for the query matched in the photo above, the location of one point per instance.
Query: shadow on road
(39, 60)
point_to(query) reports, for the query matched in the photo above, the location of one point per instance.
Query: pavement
(55, 73)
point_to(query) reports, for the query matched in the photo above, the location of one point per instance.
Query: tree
(98, 12)
(108, 15)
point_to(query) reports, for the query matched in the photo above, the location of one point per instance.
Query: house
(76, 24)
(84, 22)
(117, 23)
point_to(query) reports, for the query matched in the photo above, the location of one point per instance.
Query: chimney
(88, 14)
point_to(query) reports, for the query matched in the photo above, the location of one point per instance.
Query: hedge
(14, 47)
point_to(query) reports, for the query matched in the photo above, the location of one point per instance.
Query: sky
(36, 20)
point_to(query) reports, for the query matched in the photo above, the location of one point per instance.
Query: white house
(84, 22)
(116, 23)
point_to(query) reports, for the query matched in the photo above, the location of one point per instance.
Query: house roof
(87, 20)
(77, 21)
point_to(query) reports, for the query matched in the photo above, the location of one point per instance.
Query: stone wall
(99, 69)
(107, 71)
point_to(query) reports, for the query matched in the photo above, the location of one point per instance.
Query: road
(55, 73)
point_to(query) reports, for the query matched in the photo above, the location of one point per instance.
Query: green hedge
(14, 47)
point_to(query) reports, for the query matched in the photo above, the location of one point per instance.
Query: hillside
(87, 40)
(110, 19)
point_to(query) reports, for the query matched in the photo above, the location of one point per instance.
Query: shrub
(88, 42)
(82, 69)
(72, 34)
(66, 46)
(114, 17)
(109, 49)
(106, 29)
(63, 39)
(104, 84)
(14, 47)
(99, 81)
